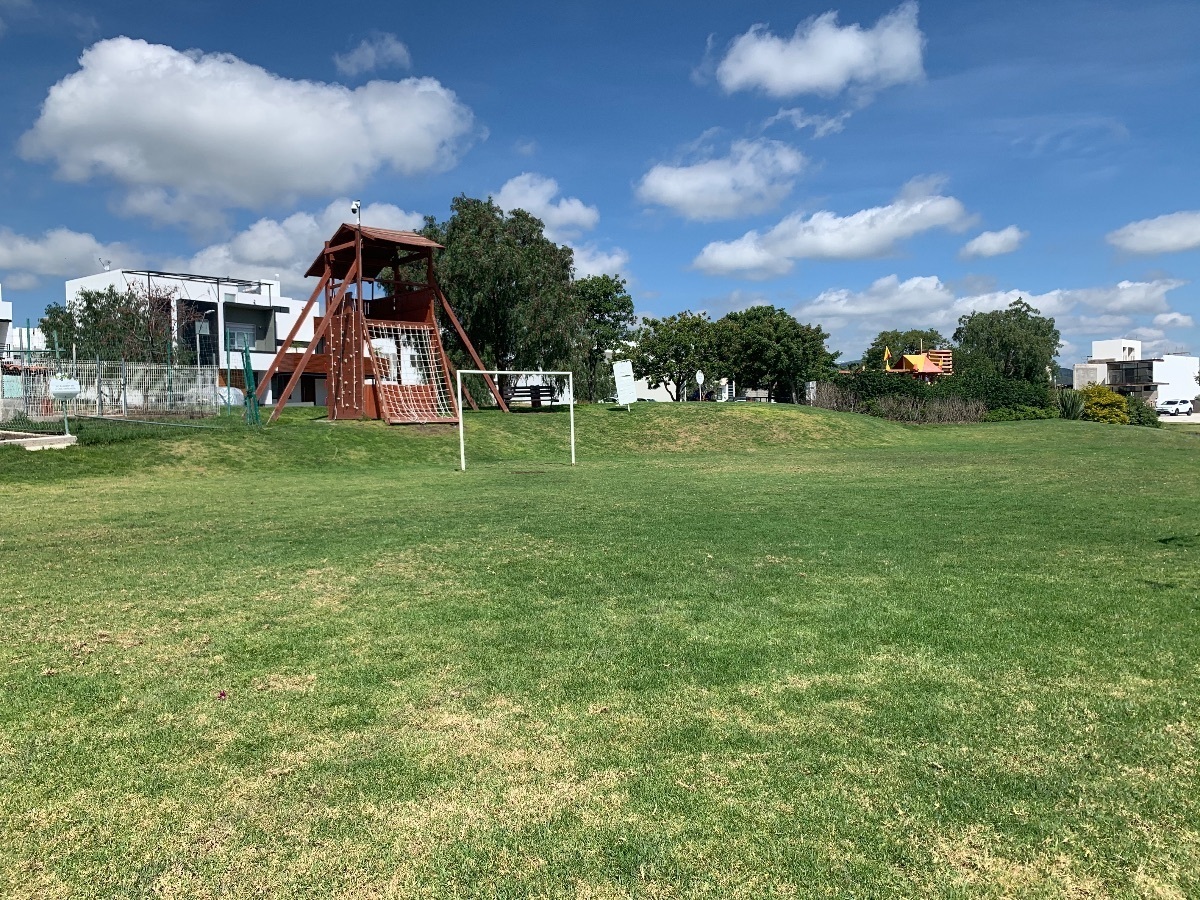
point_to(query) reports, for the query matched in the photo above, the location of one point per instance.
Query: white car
(1174, 407)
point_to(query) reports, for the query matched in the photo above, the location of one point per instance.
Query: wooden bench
(534, 394)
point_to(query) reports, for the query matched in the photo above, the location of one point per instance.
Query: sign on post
(626, 387)
(699, 385)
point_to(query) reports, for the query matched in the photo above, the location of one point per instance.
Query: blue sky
(865, 165)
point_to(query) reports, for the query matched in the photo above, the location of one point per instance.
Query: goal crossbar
(462, 440)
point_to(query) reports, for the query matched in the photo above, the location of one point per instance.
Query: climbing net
(411, 382)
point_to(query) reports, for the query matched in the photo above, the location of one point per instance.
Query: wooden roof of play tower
(381, 249)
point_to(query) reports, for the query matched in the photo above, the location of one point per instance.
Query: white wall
(1118, 349)
(1177, 377)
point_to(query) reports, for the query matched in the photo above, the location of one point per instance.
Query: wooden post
(462, 335)
(308, 351)
(304, 313)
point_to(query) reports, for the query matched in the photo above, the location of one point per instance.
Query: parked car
(1174, 407)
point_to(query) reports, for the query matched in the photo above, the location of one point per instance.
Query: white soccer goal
(462, 440)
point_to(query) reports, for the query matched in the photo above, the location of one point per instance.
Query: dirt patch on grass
(973, 859)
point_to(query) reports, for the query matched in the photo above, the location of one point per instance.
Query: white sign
(699, 377)
(626, 388)
(64, 388)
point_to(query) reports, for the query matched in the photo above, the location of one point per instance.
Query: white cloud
(59, 252)
(1164, 234)
(928, 302)
(994, 243)
(189, 130)
(1173, 320)
(379, 51)
(754, 177)
(822, 57)
(590, 260)
(564, 218)
(287, 247)
(865, 234)
(822, 126)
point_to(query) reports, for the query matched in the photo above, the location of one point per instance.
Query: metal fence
(114, 389)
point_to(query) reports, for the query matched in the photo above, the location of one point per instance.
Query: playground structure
(926, 365)
(381, 356)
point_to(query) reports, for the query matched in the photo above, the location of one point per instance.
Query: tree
(509, 284)
(607, 323)
(914, 340)
(138, 323)
(669, 351)
(765, 348)
(1015, 342)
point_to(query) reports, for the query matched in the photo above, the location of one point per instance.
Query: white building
(1119, 364)
(234, 313)
(14, 338)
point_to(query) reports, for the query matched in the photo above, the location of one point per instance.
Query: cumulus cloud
(379, 51)
(59, 252)
(865, 234)
(287, 247)
(754, 177)
(564, 218)
(822, 57)
(591, 260)
(1173, 320)
(928, 302)
(1164, 234)
(184, 130)
(994, 243)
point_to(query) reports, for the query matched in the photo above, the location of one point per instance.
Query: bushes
(1141, 413)
(900, 407)
(956, 398)
(1020, 414)
(1103, 404)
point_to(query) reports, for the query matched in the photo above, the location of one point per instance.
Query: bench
(534, 394)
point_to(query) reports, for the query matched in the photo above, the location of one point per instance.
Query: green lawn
(739, 651)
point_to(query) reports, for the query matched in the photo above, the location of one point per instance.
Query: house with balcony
(1120, 364)
(218, 317)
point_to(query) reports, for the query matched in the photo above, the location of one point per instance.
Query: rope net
(411, 383)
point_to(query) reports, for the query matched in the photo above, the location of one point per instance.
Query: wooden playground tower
(382, 356)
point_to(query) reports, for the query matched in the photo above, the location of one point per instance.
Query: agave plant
(1070, 404)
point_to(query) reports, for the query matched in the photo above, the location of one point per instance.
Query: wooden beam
(264, 385)
(462, 335)
(308, 351)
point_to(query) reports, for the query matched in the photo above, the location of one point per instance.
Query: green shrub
(1142, 413)
(1070, 404)
(1102, 404)
(1020, 414)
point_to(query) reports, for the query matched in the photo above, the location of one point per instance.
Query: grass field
(739, 651)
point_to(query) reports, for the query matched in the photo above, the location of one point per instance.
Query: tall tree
(914, 340)
(670, 351)
(509, 283)
(1016, 342)
(607, 323)
(765, 348)
(138, 323)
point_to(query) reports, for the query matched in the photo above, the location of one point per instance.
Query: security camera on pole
(356, 209)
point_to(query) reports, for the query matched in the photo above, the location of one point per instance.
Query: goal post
(462, 439)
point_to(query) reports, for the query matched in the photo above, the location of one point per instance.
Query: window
(240, 336)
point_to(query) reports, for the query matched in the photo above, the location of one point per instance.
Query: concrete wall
(1087, 373)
